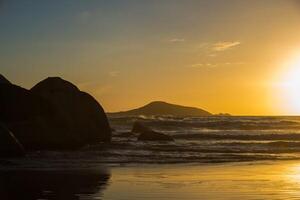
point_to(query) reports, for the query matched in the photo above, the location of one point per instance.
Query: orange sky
(223, 56)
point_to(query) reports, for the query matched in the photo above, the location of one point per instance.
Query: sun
(290, 86)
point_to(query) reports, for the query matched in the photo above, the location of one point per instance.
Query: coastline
(233, 180)
(249, 180)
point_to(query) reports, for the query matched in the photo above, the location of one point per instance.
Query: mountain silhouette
(164, 108)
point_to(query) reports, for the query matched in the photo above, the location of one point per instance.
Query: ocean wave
(209, 136)
(215, 123)
(197, 140)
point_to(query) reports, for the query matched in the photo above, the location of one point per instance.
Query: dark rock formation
(163, 108)
(26, 115)
(147, 134)
(3, 80)
(154, 136)
(138, 127)
(52, 115)
(83, 115)
(9, 145)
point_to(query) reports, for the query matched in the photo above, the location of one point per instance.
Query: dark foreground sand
(263, 180)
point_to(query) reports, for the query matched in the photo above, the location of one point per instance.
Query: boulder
(54, 114)
(9, 145)
(3, 80)
(84, 117)
(26, 115)
(147, 134)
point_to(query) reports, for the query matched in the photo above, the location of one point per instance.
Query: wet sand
(249, 180)
(264, 180)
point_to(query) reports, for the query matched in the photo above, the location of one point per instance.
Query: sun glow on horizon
(290, 86)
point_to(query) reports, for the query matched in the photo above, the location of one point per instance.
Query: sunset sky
(239, 57)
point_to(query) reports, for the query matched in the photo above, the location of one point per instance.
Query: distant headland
(163, 108)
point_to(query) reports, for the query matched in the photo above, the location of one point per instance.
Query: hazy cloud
(222, 46)
(203, 45)
(213, 65)
(114, 73)
(212, 55)
(175, 40)
(203, 65)
(94, 87)
(103, 89)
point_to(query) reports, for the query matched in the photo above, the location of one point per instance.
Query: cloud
(213, 65)
(204, 65)
(114, 73)
(222, 46)
(212, 55)
(103, 89)
(94, 87)
(176, 40)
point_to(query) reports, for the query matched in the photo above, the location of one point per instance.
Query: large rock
(53, 115)
(9, 145)
(147, 134)
(3, 80)
(26, 115)
(85, 118)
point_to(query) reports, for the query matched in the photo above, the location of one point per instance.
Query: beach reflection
(53, 185)
(232, 181)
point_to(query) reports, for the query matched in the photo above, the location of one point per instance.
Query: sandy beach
(150, 100)
(248, 181)
(253, 180)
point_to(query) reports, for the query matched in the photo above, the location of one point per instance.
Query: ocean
(220, 157)
(210, 139)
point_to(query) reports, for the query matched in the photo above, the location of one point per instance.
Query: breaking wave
(197, 140)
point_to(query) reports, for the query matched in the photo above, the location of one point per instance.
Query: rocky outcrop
(26, 115)
(54, 114)
(147, 134)
(9, 145)
(83, 116)
(138, 127)
(3, 80)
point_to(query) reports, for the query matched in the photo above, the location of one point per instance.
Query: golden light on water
(293, 174)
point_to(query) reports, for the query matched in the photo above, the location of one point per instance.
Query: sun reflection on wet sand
(267, 180)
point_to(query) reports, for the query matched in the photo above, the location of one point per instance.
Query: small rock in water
(138, 127)
(154, 136)
(146, 134)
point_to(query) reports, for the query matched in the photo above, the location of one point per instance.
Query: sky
(233, 56)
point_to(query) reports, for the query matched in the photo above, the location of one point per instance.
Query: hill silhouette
(163, 108)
